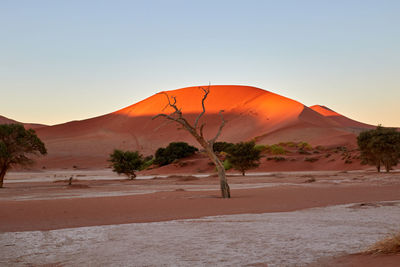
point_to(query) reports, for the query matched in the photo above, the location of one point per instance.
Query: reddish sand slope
(250, 113)
(4, 120)
(339, 118)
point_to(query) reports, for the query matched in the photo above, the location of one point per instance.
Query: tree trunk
(225, 190)
(378, 167)
(2, 174)
(387, 167)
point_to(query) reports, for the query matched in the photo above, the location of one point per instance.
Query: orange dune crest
(221, 97)
(324, 110)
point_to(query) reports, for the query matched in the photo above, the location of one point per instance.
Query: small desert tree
(16, 144)
(380, 146)
(244, 156)
(126, 162)
(196, 131)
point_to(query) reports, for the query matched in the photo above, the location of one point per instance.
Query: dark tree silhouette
(175, 150)
(126, 162)
(380, 146)
(244, 156)
(16, 144)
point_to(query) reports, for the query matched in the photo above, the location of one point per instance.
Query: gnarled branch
(197, 133)
(212, 141)
(206, 92)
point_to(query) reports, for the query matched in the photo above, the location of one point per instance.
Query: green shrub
(147, 162)
(287, 144)
(276, 149)
(174, 151)
(227, 165)
(262, 148)
(304, 146)
(221, 146)
(291, 144)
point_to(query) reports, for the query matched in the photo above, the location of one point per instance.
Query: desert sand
(323, 212)
(250, 113)
(308, 221)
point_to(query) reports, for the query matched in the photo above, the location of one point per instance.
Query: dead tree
(197, 132)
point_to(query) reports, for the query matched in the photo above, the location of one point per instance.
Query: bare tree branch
(177, 117)
(212, 141)
(164, 115)
(172, 105)
(201, 130)
(206, 92)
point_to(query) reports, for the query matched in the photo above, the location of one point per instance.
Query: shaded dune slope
(340, 119)
(250, 113)
(4, 120)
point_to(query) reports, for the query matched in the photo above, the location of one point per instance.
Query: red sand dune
(340, 119)
(250, 113)
(4, 120)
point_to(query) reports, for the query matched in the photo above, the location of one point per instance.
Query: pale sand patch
(277, 239)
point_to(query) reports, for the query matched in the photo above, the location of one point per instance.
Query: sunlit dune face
(231, 99)
(324, 111)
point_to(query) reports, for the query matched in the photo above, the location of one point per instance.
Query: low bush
(174, 151)
(147, 162)
(287, 144)
(227, 165)
(262, 148)
(222, 146)
(304, 146)
(276, 149)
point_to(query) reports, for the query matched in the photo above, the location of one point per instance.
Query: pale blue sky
(70, 60)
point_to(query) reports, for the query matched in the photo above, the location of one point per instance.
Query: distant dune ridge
(4, 120)
(251, 113)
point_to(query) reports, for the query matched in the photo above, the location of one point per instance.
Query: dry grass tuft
(310, 180)
(389, 245)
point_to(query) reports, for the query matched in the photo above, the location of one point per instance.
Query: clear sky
(70, 60)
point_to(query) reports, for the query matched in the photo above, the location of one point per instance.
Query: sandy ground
(279, 219)
(276, 239)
